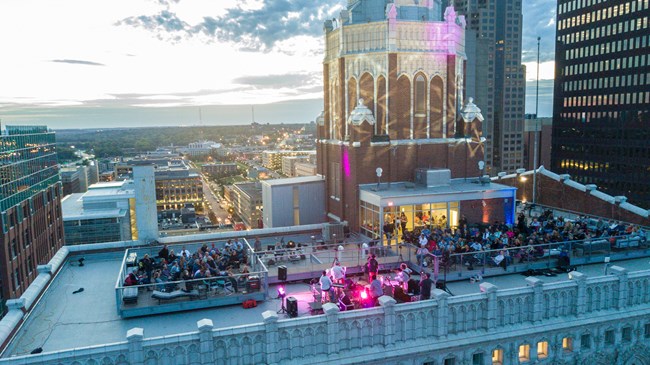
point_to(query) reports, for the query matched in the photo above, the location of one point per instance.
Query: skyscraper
(496, 77)
(30, 206)
(393, 86)
(601, 107)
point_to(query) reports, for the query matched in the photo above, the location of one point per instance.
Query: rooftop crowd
(523, 241)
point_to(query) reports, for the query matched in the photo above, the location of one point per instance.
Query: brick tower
(393, 87)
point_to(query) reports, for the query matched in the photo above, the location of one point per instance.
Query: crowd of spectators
(500, 244)
(169, 268)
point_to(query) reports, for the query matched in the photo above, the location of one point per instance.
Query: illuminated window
(542, 350)
(497, 357)
(524, 353)
(567, 344)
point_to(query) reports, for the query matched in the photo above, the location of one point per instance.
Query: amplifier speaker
(282, 273)
(292, 307)
(441, 284)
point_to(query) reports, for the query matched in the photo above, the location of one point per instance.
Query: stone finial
(44, 269)
(533, 281)
(487, 287)
(617, 270)
(471, 112)
(577, 276)
(18, 303)
(450, 14)
(135, 333)
(270, 316)
(361, 114)
(386, 301)
(330, 308)
(205, 324)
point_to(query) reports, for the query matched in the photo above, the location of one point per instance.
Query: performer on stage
(375, 289)
(326, 286)
(338, 273)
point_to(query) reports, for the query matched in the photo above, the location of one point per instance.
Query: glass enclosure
(376, 221)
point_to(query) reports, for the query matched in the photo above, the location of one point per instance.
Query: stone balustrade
(582, 319)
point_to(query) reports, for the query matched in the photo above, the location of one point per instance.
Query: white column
(205, 337)
(623, 292)
(272, 343)
(135, 336)
(331, 311)
(390, 328)
(491, 297)
(442, 327)
(581, 300)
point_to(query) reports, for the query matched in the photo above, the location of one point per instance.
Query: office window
(542, 350)
(524, 353)
(610, 337)
(646, 330)
(567, 344)
(585, 341)
(477, 359)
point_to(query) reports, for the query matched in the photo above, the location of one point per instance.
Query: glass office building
(601, 108)
(30, 206)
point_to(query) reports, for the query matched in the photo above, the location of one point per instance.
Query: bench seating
(130, 294)
(160, 295)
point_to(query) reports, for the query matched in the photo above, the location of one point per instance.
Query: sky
(117, 63)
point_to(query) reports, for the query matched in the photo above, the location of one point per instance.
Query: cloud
(79, 62)
(539, 21)
(257, 26)
(162, 23)
(297, 80)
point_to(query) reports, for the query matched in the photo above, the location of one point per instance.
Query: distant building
(601, 98)
(30, 206)
(105, 213)
(176, 183)
(305, 169)
(162, 153)
(201, 148)
(544, 129)
(495, 77)
(273, 159)
(289, 164)
(293, 202)
(71, 180)
(246, 199)
(220, 169)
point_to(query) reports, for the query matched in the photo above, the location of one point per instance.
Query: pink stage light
(281, 291)
(364, 295)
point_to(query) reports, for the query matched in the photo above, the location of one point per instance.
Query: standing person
(403, 221)
(257, 246)
(398, 226)
(425, 286)
(338, 273)
(372, 267)
(164, 253)
(326, 286)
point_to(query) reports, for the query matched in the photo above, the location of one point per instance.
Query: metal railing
(545, 255)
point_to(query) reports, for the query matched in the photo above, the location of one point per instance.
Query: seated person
(376, 290)
(131, 280)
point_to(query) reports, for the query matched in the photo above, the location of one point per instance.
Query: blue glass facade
(27, 163)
